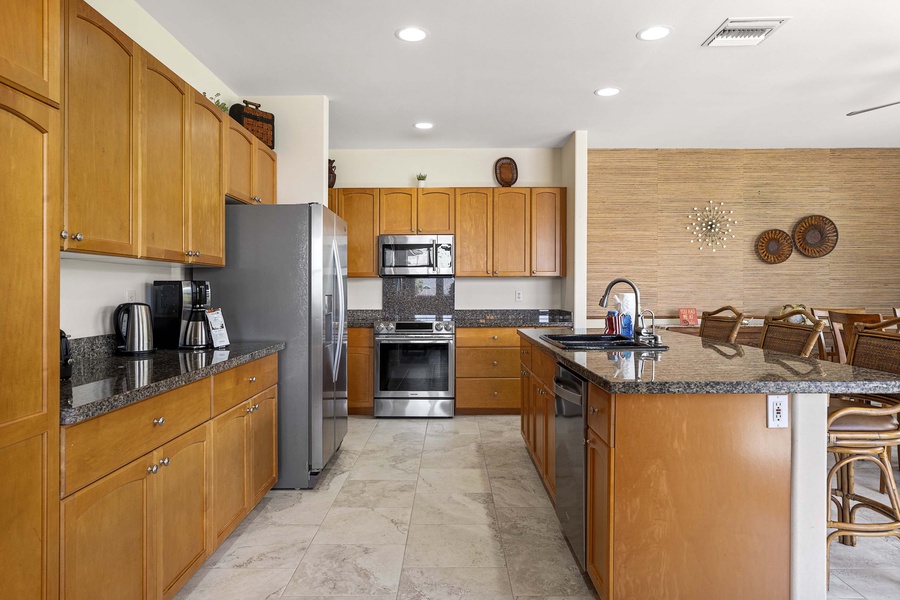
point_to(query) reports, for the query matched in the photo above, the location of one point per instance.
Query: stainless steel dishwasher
(569, 423)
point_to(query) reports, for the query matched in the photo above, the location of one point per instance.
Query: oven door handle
(434, 258)
(416, 341)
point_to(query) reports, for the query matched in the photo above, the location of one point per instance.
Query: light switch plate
(777, 411)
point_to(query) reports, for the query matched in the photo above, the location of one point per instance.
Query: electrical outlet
(518, 295)
(130, 296)
(776, 411)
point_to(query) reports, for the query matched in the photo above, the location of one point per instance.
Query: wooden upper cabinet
(239, 162)
(206, 230)
(30, 47)
(398, 211)
(29, 411)
(512, 232)
(103, 67)
(333, 201)
(359, 207)
(165, 138)
(435, 210)
(548, 232)
(474, 233)
(264, 174)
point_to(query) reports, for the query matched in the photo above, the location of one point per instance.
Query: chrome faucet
(637, 303)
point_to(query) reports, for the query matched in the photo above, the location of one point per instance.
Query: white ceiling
(520, 73)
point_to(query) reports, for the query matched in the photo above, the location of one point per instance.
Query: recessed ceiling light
(411, 34)
(651, 34)
(608, 91)
(424, 125)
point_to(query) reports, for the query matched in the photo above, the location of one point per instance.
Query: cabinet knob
(64, 234)
(495, 393)
(420, 230)
(250, 410)
(152, 470)
(78, 237)
(494, 363)
(160, 421)
(533, 272)
(188, 253)
(197, 253)
(488, 272)
(496, 272)
(592, 410)
(411, 230)
(164, 462)
(522, 372)
(256, 407)
(253, 380)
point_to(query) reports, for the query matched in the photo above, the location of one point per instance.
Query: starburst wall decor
(711, 226)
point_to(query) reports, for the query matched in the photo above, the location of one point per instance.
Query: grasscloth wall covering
(638, 202)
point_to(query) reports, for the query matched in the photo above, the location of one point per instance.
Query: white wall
(574, 176)
(91, 288)
(445, 167)
(301, 141)
(455, 167)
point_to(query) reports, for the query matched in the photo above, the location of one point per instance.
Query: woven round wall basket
(774, 246)
(815, 235)
(505, 171)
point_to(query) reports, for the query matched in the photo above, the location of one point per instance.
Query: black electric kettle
(133, 324)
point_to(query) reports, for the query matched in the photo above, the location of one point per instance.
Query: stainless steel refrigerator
(286, 279)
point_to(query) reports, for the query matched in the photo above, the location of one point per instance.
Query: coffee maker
(179, 314)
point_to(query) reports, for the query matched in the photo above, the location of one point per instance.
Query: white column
(809, 468)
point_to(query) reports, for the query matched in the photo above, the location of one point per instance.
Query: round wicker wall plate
(505, 171)
(774, 246)
(815, 235)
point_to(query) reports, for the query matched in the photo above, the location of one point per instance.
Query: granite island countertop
(693, 365)
(475, 318)
(104, 383)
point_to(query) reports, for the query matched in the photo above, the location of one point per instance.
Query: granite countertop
(476, 318)
(104, 383)
(693, 365)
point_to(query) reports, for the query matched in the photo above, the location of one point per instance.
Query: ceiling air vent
(744, 32)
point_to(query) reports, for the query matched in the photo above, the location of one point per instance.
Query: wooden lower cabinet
(538, 405)
(231, 502)
(487, 370)
(263, 444)
(599, 533)
(360, 371)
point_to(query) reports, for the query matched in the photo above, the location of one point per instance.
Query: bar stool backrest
(791, 338)
(723, 328)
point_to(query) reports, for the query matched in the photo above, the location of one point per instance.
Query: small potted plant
(421, 178)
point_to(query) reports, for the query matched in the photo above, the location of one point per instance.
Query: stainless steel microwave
(415, 255)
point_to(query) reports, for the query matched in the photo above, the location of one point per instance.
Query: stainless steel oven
(415, 368)
(415, 255)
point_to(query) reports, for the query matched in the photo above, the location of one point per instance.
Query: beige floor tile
(366, 526)
(506, 455)
(452, 545)
(545, 572)
(872, 584)
(514, 489)
(377, 494)
(453, 451)
(840, 590)
(453, 507)
(348, 570)
(235, 584)
(454, 583)
(296, 507)
(264, 545)
(456, 425)
(454, 480)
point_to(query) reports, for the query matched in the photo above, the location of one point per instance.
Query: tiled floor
(416, 509)
(408, 510)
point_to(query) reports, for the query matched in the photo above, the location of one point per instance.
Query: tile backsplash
(405, 298)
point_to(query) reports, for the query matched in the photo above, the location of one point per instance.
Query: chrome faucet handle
(647, 335)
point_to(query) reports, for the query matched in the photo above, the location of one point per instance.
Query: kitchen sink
(597, 341)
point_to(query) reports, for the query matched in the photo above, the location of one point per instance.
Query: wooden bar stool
(861, 432)
(822, 315)
(791, 338)
(842, 329)
(723, 328)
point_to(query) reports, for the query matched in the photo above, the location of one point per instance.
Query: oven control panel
(383, 328)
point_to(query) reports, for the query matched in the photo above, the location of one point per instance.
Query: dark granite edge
(464, 317)
(718, 387)
(72, 415)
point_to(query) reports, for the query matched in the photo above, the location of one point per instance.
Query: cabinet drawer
(488, 393)
(486, 337)
(543, 366)
(487, 362)
(99, 446)
(233, 386)
(360, 337)
(600, 413)
(525, 353)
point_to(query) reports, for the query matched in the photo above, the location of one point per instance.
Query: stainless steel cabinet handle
(64, 234)
(164, 462)
(494, 363)
(592, 410)
(78, 237)
(152, 470)
(160, 421)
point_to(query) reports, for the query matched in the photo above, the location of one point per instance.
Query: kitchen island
(689, 493)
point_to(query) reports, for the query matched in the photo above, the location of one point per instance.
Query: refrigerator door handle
(339, 342)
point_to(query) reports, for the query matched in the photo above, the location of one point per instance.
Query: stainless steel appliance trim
(571, 459)
(400, 408)
(341, 309)
(403, 339)
(399, 240)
